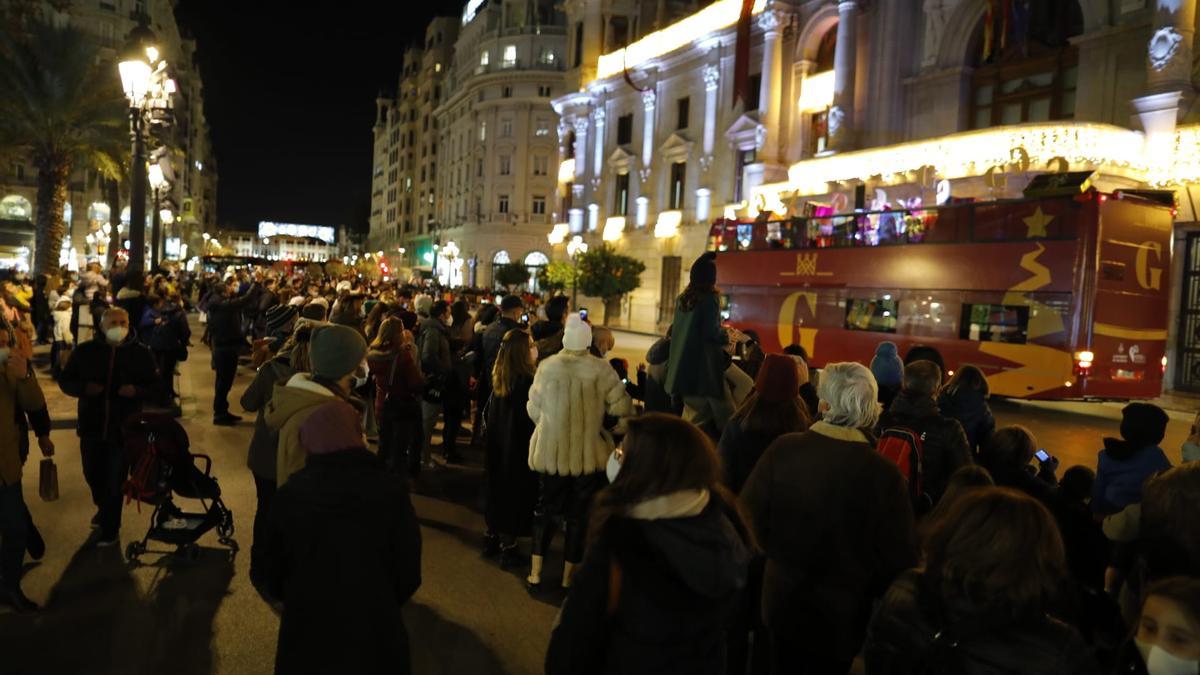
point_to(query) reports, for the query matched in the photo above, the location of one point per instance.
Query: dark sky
(290, 95)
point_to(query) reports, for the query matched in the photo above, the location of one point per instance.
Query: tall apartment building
(497, 141)
(184, 151)
(403, 184)
(895, 100)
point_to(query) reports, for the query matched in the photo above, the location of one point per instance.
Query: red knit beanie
(777, 379)
(332, 427)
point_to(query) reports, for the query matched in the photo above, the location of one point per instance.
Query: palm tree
(63, 108)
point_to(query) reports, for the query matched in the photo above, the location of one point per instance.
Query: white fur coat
(570, 395)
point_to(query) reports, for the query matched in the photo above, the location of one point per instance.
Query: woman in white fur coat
(571, 394)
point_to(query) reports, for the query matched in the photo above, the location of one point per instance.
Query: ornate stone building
(876, 101)
(184, 152)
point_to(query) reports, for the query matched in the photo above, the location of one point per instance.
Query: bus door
(1129, 316)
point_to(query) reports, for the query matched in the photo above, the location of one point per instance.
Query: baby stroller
(161, 466)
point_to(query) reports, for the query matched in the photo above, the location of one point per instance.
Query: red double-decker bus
(1053, 298)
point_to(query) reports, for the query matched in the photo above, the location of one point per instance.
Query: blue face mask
(613, 468)
(1191, 452)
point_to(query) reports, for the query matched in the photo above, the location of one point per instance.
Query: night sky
(290, 95)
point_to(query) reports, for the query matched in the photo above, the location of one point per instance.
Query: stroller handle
(207, 463)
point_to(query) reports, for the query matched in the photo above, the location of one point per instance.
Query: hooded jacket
(985, 641)
(679, 579)
(289, 407)
(572, 392)
(1121, 470)
(97, 362)
(697, 363)
(397, 377)
(263, 457)
(435, 347)
(945, 447)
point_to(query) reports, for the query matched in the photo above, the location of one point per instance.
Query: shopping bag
(48, 483)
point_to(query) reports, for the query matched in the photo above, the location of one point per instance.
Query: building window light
(668, 224)
(703, 204)
(575, 220)
(484, 57)
(642, 211)
(816, 93)
(510, 56)
(613, 228)
(593, 217)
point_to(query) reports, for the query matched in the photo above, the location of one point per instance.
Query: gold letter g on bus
(1149, 277)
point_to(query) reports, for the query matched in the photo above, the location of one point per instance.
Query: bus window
(726, 304)
(928, 316)
(994, 323)
(871, 314)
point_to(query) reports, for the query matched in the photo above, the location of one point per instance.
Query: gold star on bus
(1037, 224)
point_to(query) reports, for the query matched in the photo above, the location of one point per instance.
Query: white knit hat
(577, 336)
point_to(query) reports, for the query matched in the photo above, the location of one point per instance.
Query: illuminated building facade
(867, 104)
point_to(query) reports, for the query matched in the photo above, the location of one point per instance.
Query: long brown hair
(765, 418)
(513, 362)
(996, 548)
(969, 378)
(1170, 501)
(693, 293)
(389, 334)
(664, 454)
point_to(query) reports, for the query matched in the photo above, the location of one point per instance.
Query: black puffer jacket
(680, 579)
(900, 639)
(970, 408)
(945, 446)
(96, 361)
(656, 397)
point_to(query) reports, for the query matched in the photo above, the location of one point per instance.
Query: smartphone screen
(1042, 455)
(525, 318)
(583, 313)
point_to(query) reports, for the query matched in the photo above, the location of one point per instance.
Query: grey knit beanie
(336, 351)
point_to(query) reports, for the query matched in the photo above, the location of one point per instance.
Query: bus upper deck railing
(997, 221)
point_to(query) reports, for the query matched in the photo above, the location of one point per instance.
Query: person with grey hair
(834, 520)
(112, 376)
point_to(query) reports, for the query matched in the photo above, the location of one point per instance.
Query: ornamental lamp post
(147, 87)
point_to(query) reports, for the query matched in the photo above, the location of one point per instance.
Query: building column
(712, 80)
(598, 159)
(581, 129)
(770, 89)
(648, 100)
(1168, 73)
(841, 114)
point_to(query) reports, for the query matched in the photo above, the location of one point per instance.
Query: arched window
(1025, 66)
(536, 259)
(501, 258)
(817, 97)
(16, 207)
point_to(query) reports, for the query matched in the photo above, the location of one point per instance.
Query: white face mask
(1191, 452)
(1163, 662)
(613, 467)
(449, 321)
(4, 351)
(116, 334)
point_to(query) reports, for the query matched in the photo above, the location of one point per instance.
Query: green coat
(697, 361)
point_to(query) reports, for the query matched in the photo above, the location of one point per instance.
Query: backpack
(904, 447)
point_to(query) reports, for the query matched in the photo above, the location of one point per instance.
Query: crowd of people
(723, 510)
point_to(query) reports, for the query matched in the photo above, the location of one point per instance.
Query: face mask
(613, 467)
(1162, 662)
(4, 355)
(1191, 452)
(116, 334)
(449, 321)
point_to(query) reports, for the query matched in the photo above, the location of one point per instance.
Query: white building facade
(497, 140)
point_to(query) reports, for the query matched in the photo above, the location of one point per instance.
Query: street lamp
(158, 181)
(144, 81)
(575, 248)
